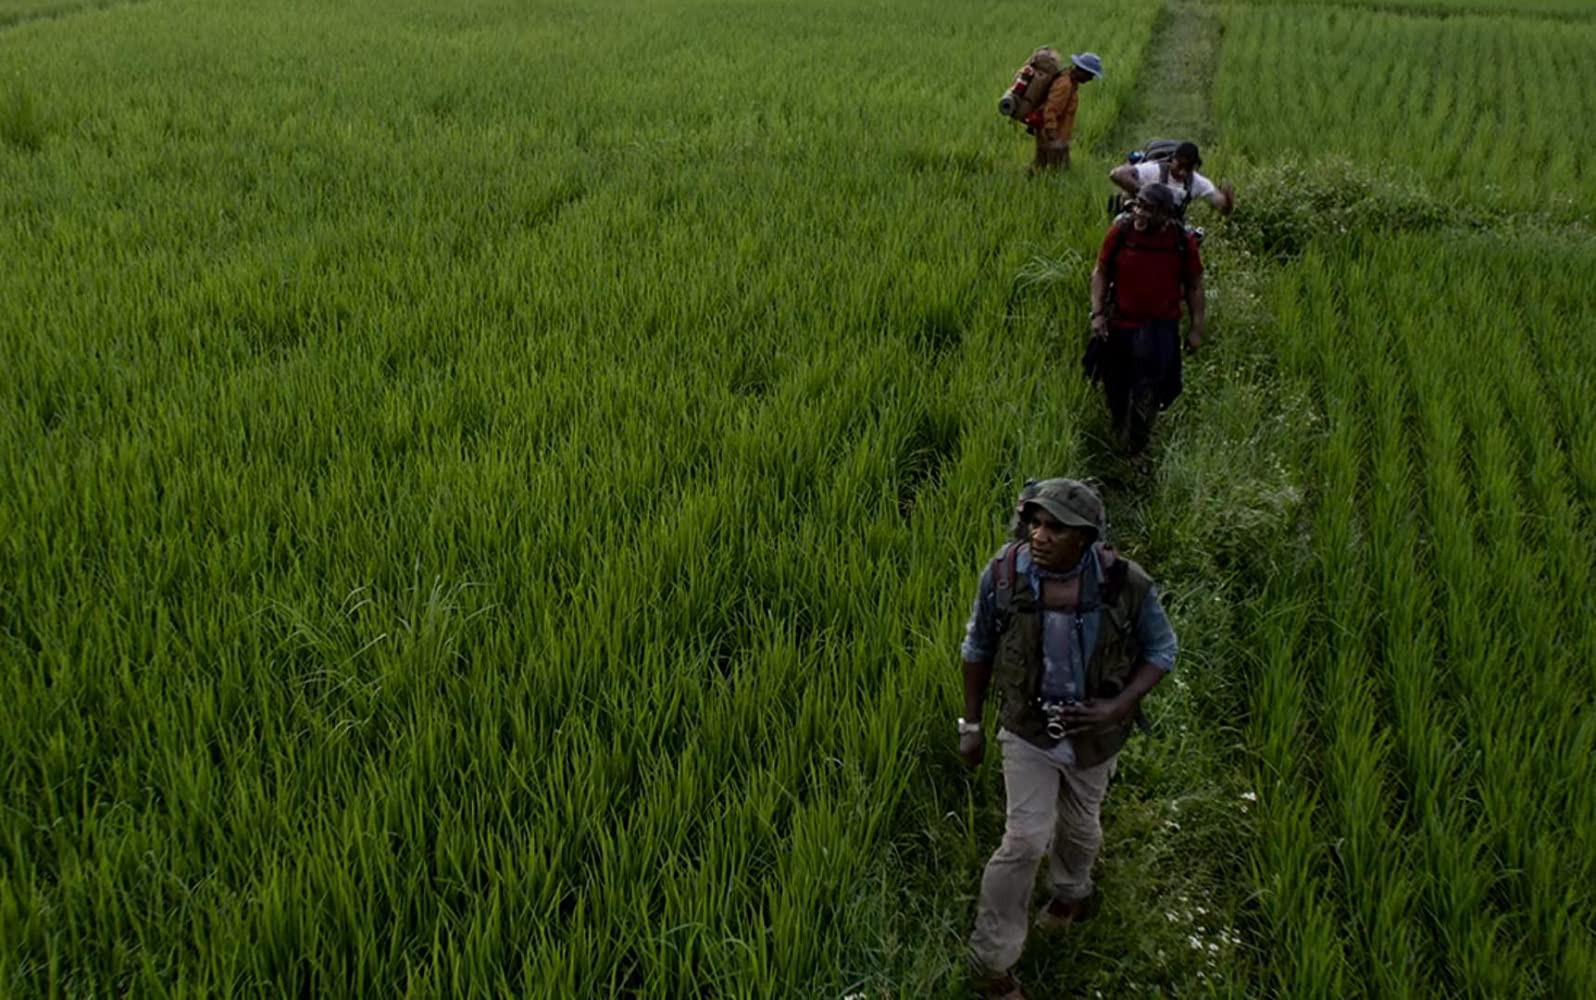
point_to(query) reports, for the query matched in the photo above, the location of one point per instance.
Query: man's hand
(1229, 192)
(972, 747)
(1094, 712)
(1194, 338)
(1100, 326)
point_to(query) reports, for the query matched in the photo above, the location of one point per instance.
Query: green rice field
(491, 492)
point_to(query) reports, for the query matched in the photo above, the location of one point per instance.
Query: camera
(1053, 716)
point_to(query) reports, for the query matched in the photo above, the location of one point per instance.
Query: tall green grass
(1479, 111)
(1446, 528)
(491, 491)
(491, 495)
(1562, 10)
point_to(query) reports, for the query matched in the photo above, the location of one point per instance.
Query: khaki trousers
(1054, 809)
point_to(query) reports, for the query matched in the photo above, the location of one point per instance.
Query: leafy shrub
(1285, 206)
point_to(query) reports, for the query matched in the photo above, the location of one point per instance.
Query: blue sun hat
(1088, 62)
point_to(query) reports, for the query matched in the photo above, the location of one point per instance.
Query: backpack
(1122, 228)
(1092, 359)
(1024, 99)
(1161, 152)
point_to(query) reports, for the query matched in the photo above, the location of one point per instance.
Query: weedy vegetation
(491, 495)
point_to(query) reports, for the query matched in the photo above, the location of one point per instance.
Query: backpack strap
(1163, 178)
(1114, 571)
(1185, 201)
(1005, 567)
(1122, 229)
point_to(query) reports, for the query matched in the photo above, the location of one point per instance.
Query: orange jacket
(1058, 112)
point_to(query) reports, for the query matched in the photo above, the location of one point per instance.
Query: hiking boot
(992, 986)
(1060, 914)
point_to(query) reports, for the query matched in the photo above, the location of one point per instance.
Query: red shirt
(1146, 271)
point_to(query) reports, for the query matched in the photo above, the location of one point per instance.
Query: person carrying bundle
(1174, 166)
(1148, 266)
(1044, 97)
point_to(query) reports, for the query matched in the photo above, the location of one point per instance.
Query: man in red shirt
(1148, 265)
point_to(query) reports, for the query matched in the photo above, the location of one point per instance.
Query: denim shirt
(1063, 660)
(1064, 638)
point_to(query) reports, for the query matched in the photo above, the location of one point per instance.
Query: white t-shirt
(1201, 187)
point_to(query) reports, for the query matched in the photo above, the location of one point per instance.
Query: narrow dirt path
(1173, 100)
(1173, 92)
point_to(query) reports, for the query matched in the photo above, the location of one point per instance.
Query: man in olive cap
(1073, 636)
(1058, 111)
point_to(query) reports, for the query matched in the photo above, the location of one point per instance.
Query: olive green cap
(1069, 500)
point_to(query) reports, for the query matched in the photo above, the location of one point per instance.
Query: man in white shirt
(1179, 174)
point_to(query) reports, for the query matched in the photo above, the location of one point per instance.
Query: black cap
(1188, 151)
(1157, 196)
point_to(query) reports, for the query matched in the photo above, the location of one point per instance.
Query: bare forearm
(1142, 681)
(1099, 292)
(977, 677)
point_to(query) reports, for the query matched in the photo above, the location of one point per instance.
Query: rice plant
(491, 494)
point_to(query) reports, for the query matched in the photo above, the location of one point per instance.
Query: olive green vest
(1017, 667)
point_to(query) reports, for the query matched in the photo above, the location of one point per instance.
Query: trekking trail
(1171, 99)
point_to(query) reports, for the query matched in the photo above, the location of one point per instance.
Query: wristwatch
(968, 727)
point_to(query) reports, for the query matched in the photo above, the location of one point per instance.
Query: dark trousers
(1141, 375)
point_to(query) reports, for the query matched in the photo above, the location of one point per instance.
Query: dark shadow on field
(52, 11)
(545, 207)
(1122, 480)
(932, 444)
(961, 162)
(940, 330)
